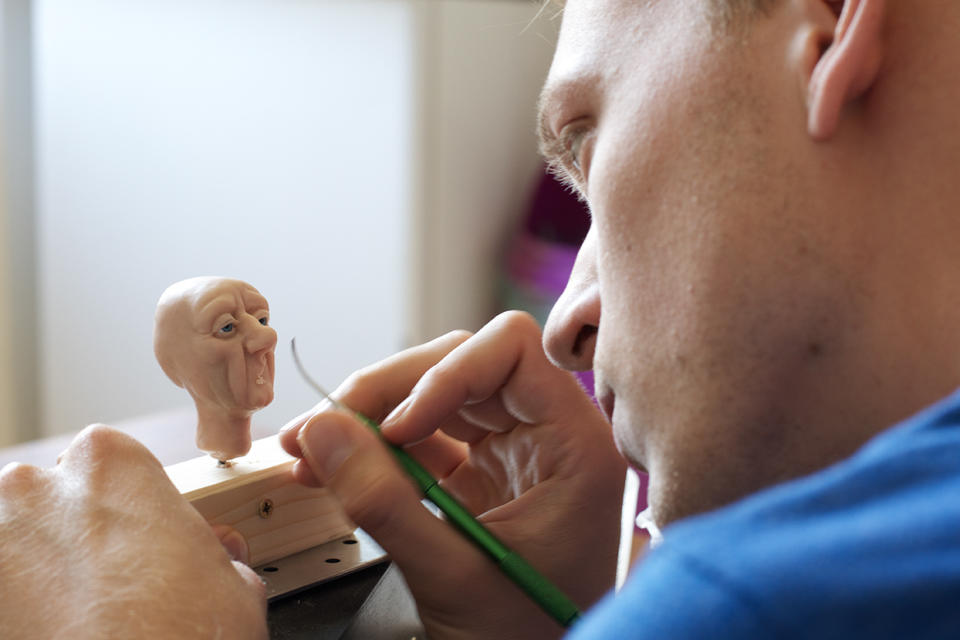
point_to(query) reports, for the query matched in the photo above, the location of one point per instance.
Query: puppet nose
(260, 337)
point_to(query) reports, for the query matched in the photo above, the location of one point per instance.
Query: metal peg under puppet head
(212, 337)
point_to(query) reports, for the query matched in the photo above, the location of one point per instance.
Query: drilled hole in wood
(332, 560)
(349, 542)
(270, 569)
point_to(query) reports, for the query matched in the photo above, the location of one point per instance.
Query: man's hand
(103, 546)
(512, 437)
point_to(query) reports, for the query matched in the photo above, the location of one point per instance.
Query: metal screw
(266, 508)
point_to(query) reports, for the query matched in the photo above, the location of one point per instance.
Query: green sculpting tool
(546, 594)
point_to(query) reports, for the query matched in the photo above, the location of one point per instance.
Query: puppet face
(213, 338)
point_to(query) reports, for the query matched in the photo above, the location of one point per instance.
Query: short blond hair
(724, 10)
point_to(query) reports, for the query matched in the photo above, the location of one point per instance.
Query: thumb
(351, 460)
(253, 581)
(236, 547)
(233, 542)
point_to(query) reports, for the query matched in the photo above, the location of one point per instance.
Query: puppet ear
(847, 67)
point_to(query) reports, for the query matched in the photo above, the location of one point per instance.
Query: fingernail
(325, 445)
(236, 546)
(296, 422)
(397, 413)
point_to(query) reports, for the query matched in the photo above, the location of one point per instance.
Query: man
(773, 251)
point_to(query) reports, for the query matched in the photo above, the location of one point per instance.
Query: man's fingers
(253, 581)
(99, 444)
(289, 431)
(377, 389)
(233, 542)
(236, 547)
(303, 474)
(349, 459)
(489, 415)
(500, 377)
(440, 454)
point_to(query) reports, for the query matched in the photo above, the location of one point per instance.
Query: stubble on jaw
(767, 309)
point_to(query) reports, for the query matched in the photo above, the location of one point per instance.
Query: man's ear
(847, 67)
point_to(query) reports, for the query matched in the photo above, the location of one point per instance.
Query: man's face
(224, 345)
(728, 312)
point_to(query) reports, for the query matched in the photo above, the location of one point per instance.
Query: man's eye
(226, 329)
(573, 138)
(574, 146)
(264, 320)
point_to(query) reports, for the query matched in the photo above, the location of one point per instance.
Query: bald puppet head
(212, 337)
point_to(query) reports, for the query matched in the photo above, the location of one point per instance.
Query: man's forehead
(583, 35)
(586, 52)
(594, 42)
(602, 34)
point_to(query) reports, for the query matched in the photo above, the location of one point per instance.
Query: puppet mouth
(260, 379)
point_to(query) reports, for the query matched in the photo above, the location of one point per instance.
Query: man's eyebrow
(546, 138)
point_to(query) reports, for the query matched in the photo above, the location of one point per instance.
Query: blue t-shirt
(868, 548)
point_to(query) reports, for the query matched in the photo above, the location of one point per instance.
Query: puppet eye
(264, 320)
(226, 329)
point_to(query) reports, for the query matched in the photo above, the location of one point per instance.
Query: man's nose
(259, 337)
(570, 336)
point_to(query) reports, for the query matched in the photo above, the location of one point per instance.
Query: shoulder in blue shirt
(869, 548)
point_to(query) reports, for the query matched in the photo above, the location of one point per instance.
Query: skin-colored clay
(212, 337)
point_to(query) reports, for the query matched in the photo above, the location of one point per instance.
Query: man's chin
(630, 446)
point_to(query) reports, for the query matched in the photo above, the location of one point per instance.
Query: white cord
(628, 513)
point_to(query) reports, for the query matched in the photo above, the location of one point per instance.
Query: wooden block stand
(257, 496)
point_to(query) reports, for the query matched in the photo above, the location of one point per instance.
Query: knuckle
(99, 443)
(518, 321)
(17, 476)
(452, 369)
(356, 384)
(360, 379)
(100, 440)
(458, 336)
(367, 390)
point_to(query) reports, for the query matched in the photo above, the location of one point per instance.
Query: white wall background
(224, 137)
(359, 162)
(18, 335)
(481, 150)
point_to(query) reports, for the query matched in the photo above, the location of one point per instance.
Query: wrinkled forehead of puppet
(199, 307)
